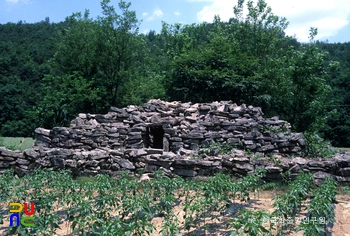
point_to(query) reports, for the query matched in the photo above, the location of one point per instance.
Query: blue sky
(331, 17)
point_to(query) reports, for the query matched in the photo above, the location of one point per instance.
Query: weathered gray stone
(43, 138)
(204, 108)
(42, 131)
(126, 164)
(343, 160)
(151, 168)
(185, 152)
(265, 148)
(21, 161)
(345, 171)
(9, 153)
(71, 163)
(4, 158)
(115, 166)
(205, 163)
(140, 152)
(31, 153)
(273, 169)
(20, 172)
(240, 159)
(59, 152)
(4, 164)
(246, 167)
(185, 173)
(193, 135)
(185, 162)
(58, 162)
(168, 155)
(98, 155)
(322, 175)
(300, 161)
(315, 164)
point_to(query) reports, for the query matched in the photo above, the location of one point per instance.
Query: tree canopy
(49, 72)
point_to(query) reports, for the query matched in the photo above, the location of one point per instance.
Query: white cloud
(156, 14)
(144, 14)
(177, 13)
(328, 16)
(223, 8)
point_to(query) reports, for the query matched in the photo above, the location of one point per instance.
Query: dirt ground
(341, 227)
(217, 227)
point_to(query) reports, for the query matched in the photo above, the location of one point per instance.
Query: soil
(218, 226)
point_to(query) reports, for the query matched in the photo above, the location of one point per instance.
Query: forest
(50, 72)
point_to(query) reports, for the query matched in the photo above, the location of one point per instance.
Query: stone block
(3, 158)
(58, 162)
(31, 154)
(9, 153)
(185, 173)
(21, 161)
(4, 164)
(245, 166)
(123, 163)
(265, 148)
(345, 172)
(42, 131)
(151, 168)
(273, 169)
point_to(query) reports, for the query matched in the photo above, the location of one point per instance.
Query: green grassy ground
(18, 143)
(346, 149)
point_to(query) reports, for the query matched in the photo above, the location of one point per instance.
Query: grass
(345, 149)
(343, 189)
(17, 143)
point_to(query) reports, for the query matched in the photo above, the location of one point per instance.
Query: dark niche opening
(154, 137)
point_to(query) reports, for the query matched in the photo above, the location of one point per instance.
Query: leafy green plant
(216, 147)
(317, 147)
(346, 189)
(251, 223)
(287, 205)
(321, 209)
(105, 206)
(276, 161)
(248, 152)
(286, 179)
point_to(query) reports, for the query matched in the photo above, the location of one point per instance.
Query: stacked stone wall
(177, 127)
(167, 136)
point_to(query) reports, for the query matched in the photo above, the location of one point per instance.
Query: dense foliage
(49, 72)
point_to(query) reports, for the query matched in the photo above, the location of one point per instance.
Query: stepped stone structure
(167, 136)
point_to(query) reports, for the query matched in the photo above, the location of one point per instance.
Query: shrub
(317, 146)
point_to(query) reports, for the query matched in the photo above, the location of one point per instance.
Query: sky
(331, 17)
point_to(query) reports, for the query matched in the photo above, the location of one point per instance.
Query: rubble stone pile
(181, 128)
(167, 136)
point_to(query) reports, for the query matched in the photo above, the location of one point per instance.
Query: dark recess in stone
(154, 137)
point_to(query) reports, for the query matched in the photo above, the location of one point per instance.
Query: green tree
(250, 60)
(337, 128)
(120, 46)
(24, 51)
(94, 60)
(309, 89)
